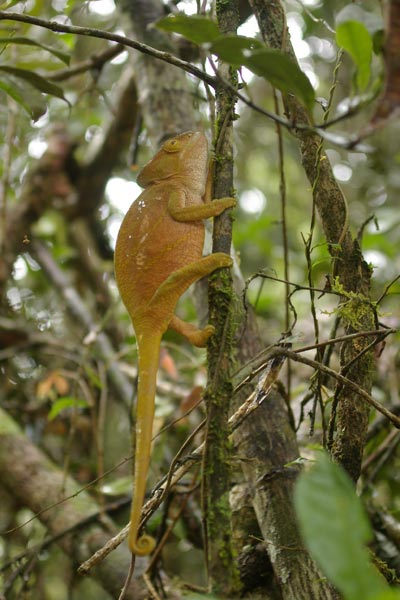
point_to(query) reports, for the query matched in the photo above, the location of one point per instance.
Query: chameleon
(158, 255)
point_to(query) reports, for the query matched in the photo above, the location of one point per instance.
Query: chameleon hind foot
(197, 337)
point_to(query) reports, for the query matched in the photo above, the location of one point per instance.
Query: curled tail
(149, 353)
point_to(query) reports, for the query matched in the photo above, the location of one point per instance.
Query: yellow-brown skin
(158, 255)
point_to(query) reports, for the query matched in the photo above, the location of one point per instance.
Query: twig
(78, 310)
(112, 37)
(66, 498)
(168, 58)
(234, 422)
(264, 355)
(51, 539)
(94, 62)
(343, 380)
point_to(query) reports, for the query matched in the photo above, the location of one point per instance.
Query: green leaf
(230, 48)
(34, 110)
(336, 529)
(196, 29)
(37, 81)
(282, 72)
(63, 56)
(355, 38)
(29, 98)
(63, 404)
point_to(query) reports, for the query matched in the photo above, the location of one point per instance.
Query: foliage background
(55, 381)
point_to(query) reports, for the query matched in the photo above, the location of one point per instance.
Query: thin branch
(264, 355)
(298, 286)
(175, 61)
(236, 420)
(344, 381)
(97, 62)
(51, 539)
(77, 309)
(112, 37)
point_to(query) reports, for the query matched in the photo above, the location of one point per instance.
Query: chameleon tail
(149, 352)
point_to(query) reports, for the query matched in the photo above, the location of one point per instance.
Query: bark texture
(221, 563)
(164, 94)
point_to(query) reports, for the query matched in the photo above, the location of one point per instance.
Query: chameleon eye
(172, 145)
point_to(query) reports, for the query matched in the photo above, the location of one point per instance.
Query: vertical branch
(285, 241)
(7, 159)
(220, 559)
(349, 267)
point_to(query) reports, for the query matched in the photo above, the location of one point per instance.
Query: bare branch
(112, 37)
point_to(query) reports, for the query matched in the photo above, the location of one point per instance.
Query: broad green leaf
(355, 12)
(335, 529)
(63, 404)
(30, 100)
(38, 82)
(230, 48)
(355, 38)
(198, 30)
(63, 56)
(282, 72)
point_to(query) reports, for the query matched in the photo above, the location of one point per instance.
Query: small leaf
(230, 48)
(37, 81)
(336, 529)
(283, 73)
(63, 404)
(196, 29)
(63, 56)
(355, 38)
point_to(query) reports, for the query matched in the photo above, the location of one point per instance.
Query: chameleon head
(183, 155)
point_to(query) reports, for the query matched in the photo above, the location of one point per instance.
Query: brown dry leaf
(53, 381)
(168, 364)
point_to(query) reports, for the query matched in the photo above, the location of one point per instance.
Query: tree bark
(165, 96)
(217, 470)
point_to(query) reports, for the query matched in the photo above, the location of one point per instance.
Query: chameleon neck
(148, 354)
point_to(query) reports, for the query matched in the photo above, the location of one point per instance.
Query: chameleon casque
(158, 255)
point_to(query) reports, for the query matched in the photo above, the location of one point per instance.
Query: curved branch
(112, 37)
(96, 61)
